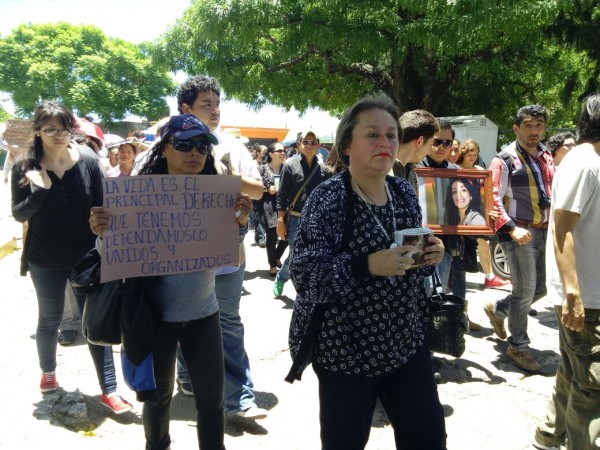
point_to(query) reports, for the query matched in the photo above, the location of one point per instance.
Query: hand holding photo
(417, 237)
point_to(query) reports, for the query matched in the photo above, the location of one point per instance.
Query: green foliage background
(449, 57)
(82, 68)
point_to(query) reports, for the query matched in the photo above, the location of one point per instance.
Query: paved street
(489, 403)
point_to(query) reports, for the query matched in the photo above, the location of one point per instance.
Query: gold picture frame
(456, 201)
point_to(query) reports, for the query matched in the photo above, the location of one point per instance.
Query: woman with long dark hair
(463, 203)
(53, 188)
(190, 312)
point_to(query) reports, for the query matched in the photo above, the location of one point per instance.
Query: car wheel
(499, 261)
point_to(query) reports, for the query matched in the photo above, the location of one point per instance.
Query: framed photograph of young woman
(456, 201)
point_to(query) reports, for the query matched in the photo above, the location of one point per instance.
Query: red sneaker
(48, 383)
(116, 403)
(495, 282)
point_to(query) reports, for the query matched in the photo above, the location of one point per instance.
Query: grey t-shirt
(187, 296)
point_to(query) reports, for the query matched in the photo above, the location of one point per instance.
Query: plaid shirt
(517, 197)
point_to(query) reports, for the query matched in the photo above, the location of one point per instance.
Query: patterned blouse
(372, 325)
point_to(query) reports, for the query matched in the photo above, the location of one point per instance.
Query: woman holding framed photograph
(360, 314)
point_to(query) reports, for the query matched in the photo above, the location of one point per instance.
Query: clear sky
(145, 20)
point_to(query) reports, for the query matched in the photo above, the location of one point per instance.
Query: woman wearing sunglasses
(187, 301)
(271, 174)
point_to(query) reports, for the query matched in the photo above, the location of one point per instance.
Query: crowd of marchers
(327, 217)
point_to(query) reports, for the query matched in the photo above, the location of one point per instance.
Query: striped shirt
(517, 196)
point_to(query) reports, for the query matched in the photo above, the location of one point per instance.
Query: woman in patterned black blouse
(360, 315)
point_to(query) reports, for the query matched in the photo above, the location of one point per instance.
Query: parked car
(499, 261)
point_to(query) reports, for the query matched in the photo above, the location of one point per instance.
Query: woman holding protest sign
(190, 312)
(53, 188)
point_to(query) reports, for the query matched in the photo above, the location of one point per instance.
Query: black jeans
(202, 347)
(275, 247)
(50, 284)
(408, 395)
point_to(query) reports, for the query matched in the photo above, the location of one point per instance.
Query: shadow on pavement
(78, 412)
(548, 359)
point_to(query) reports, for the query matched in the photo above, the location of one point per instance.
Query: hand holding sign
(167, 224)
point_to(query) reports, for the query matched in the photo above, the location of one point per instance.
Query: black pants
(408, 395)
(275, 247)
(202, 348)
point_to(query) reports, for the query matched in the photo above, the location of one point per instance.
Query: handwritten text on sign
(167, 224)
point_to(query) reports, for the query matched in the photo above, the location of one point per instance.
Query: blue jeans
(528, 276)
(459, 277)
(201, 344)
(239, 388)
(408, 395)
(284, 273)
(50, 285)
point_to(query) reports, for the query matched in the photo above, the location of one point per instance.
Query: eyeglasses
(52, 132)
(202, 146)
(446, 143)
(278, 151)
(309, 142)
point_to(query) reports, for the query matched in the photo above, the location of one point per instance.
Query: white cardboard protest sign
(169, 224)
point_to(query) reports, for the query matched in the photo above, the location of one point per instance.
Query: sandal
(273, 271)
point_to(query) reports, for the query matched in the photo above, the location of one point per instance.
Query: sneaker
(497, 324)
(524, 360)
(262, 243)
(278, 288)
(48, 383)
(186, 388)
(545, 441)
(67, 337)
(116, 403)
(495, 282)
(254, 413)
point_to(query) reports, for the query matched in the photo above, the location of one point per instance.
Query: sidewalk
(10, 229)
(489, 403)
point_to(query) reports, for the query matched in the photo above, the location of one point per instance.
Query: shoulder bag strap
(297, 196)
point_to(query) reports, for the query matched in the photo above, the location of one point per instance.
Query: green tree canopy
(82, 68)
(449, 57)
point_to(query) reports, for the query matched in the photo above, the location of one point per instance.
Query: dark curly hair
(557, 140)
(190, 88)
(588, 126)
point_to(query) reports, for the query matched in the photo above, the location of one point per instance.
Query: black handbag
(100, 321)
(448, 322)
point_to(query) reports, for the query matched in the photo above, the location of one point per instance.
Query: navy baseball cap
(186, 126)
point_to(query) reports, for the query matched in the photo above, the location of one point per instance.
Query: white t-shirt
(241, 160)
(576, 188)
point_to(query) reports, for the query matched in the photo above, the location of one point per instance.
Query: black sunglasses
(309, 142)
(446, 143)
(202, 146)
